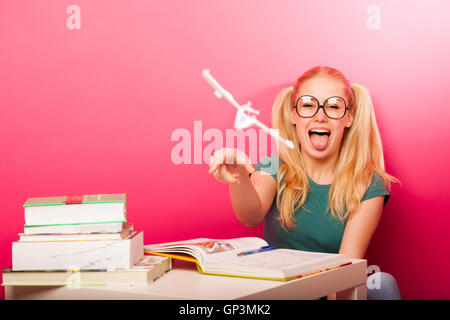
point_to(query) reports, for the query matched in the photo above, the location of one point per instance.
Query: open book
(249, 257)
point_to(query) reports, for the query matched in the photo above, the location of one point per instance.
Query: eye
(333, 107)
(307, 105)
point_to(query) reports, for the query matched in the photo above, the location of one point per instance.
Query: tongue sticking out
(319, 142)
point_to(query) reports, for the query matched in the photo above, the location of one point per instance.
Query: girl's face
(320, 137)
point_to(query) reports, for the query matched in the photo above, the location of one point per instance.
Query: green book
(77, 209)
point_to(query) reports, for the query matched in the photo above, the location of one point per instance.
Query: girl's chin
(318, 155)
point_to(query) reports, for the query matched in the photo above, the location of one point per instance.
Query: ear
(293, 115)
(349, 121)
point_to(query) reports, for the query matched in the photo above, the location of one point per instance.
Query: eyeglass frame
(321, 106)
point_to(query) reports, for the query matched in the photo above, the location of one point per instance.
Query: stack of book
(87, 235)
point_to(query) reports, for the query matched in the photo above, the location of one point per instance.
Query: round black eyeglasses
(308, 106)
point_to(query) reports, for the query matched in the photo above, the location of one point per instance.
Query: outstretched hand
(229, 164)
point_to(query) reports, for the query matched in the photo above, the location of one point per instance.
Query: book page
(279, 259)
(289, 262)
(206, 249)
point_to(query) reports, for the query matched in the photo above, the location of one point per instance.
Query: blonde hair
(360, 155)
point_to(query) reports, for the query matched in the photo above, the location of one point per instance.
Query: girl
(328, 193)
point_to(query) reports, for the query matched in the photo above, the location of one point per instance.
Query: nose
(320, 115)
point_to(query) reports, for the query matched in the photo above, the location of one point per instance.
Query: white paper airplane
(245, 116)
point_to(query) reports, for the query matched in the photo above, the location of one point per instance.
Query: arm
(252, 197)
(361, 226)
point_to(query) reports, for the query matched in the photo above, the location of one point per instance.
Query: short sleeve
(269, 165)
(377, 188)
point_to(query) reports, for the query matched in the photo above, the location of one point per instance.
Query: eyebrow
(307, 98)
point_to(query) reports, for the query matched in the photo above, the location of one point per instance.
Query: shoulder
(269, 165)
(377, 188)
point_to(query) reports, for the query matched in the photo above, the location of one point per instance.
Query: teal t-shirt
(316, 230)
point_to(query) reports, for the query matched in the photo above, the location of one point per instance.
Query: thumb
(249, 168)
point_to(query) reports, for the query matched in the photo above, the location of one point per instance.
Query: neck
(321, 171)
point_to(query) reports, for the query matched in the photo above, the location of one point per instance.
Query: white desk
(185, 282)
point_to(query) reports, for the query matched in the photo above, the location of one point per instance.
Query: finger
(235, 178)
(228, 181)
(213, 168)
(215, 161)
(230, 156)
(220, 178)
(241, 158)
(225, 174)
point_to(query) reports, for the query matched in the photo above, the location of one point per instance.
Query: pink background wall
(92, 110)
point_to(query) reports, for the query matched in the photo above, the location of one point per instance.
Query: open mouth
(319, 132)
(319, 138)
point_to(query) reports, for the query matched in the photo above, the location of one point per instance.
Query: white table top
(185, 282)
